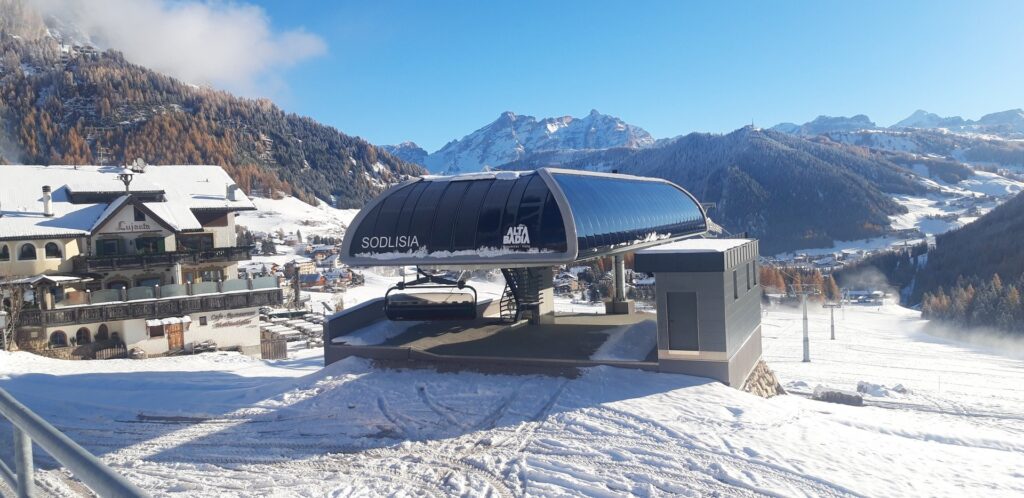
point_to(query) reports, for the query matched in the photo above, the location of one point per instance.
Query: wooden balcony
(150, 308)
(85, 264)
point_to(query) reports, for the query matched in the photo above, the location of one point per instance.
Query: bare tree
(13, 299)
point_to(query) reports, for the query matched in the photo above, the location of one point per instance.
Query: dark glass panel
(469, 215)
(405, 216)
(489, 227)
(514, 197)
(444, 216)
(422, 220)
(387, 220)
(610, 211)
(552, 231)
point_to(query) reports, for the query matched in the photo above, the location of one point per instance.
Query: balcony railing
(135, 261)
(240, 294)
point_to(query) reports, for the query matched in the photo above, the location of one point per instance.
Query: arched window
(5, 253)
(102, 334)
(58, 339)
(83, 336)
(27, 252)
(52, 250)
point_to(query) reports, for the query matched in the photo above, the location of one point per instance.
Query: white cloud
(222, 44)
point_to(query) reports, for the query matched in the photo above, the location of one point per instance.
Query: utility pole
(807, 337)
(832, 308)
(805, 290)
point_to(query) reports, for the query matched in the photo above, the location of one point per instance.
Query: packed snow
(629, 342)
(942, 419)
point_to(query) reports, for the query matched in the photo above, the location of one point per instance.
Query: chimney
(231, 194)
(47, 201)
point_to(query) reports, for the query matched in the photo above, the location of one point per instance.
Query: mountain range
(788, 191)
(794, 186)
(1004, 124)
(511, 137)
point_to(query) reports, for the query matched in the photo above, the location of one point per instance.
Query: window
(139, 215)
(735, 285)
(202, 321)
(149, 245)
(108, 247)
(27, 252)
(58, 339)
(199, 242)
(5, 253)
(748, 276)
(117, 284)
(52, 250)
(102, 334)
(83, 336)
(211, 275)
(156, 330)
(148, 281)
(755, 272)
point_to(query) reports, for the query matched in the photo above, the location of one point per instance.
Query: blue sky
(435, 71)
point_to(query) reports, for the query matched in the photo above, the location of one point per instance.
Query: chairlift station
(526, 224)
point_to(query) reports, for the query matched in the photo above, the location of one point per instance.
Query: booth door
(682, 321)
(175, 336)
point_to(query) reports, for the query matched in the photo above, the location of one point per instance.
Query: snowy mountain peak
(825, 124)
(924, 119)
(1009, 124)
(511, 137)
(1012, 117)
(407, 151)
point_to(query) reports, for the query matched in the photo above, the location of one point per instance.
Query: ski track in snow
(223, 425)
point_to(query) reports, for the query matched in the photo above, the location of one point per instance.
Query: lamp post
(126, 176)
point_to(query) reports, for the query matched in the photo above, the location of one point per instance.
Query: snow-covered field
(290, 214)
(224, 425)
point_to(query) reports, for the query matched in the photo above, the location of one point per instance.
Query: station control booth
(525, 225)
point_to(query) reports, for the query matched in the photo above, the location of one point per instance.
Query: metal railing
(151, 308)
(89, 263)
(30, 428)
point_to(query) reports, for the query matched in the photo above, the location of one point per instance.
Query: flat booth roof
(516, 219)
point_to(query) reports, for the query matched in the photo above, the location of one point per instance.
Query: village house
(146, 257)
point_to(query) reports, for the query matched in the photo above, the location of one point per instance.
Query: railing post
(23, 463)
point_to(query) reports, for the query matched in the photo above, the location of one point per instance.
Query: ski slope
(224, 425)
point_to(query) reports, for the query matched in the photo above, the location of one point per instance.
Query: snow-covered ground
(290, 214)
(224, 425)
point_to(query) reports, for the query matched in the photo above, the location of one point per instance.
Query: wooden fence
(274, 348)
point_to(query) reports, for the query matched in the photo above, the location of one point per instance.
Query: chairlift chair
(441, 299)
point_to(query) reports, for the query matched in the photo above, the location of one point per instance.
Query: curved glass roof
(507, 219)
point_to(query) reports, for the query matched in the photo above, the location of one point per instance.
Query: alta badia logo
(516, 237)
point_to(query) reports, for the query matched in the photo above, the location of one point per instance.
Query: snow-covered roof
(696, 246)
(185, 188)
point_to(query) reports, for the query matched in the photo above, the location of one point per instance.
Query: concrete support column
(540, 288)
(619, 305)
(620, 278)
